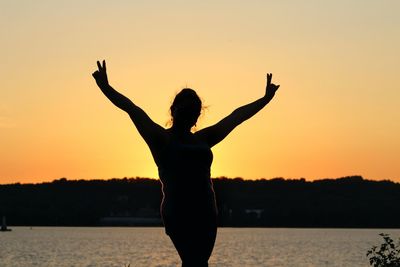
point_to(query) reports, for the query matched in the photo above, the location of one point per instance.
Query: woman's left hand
(100, 75)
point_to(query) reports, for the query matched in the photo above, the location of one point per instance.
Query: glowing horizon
(336, 113)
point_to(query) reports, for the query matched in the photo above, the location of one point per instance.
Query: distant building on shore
(143, 217)
(4, 225)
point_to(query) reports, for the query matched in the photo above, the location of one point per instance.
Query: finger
(94, 74)
(99, 65)
(269, 78)
(104, 65)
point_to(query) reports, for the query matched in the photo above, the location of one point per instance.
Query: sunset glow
(336, 112)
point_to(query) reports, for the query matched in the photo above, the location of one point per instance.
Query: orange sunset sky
(336, 113)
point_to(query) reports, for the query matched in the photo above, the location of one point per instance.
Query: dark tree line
(344, 202)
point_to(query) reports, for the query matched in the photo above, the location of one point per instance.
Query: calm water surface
(55, 246)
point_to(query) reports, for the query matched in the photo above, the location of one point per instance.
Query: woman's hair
(186, 107)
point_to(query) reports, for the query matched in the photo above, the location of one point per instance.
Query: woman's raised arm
(216, 133)
(151, 132)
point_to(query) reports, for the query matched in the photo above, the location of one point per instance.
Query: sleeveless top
(184, 171)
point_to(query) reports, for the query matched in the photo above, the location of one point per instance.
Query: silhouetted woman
(184, 159)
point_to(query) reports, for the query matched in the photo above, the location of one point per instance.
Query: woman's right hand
(100, 75)
(270, 88)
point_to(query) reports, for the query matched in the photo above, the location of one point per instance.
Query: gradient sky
(336, 113)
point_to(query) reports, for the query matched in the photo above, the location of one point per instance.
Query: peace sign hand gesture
(100, 75)
(270, 88)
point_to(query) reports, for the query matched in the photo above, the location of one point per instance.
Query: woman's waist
(188, 207)
(203, 190)
(188, 199)
(188, 194)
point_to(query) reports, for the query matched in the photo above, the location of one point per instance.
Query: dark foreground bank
(351, 202)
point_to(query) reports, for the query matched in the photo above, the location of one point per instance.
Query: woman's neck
(181, 131)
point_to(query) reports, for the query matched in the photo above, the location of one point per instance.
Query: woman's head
(186, 108)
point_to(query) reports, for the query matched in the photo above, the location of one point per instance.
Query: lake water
(79, 246)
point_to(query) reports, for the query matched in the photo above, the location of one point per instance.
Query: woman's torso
(184, 170)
